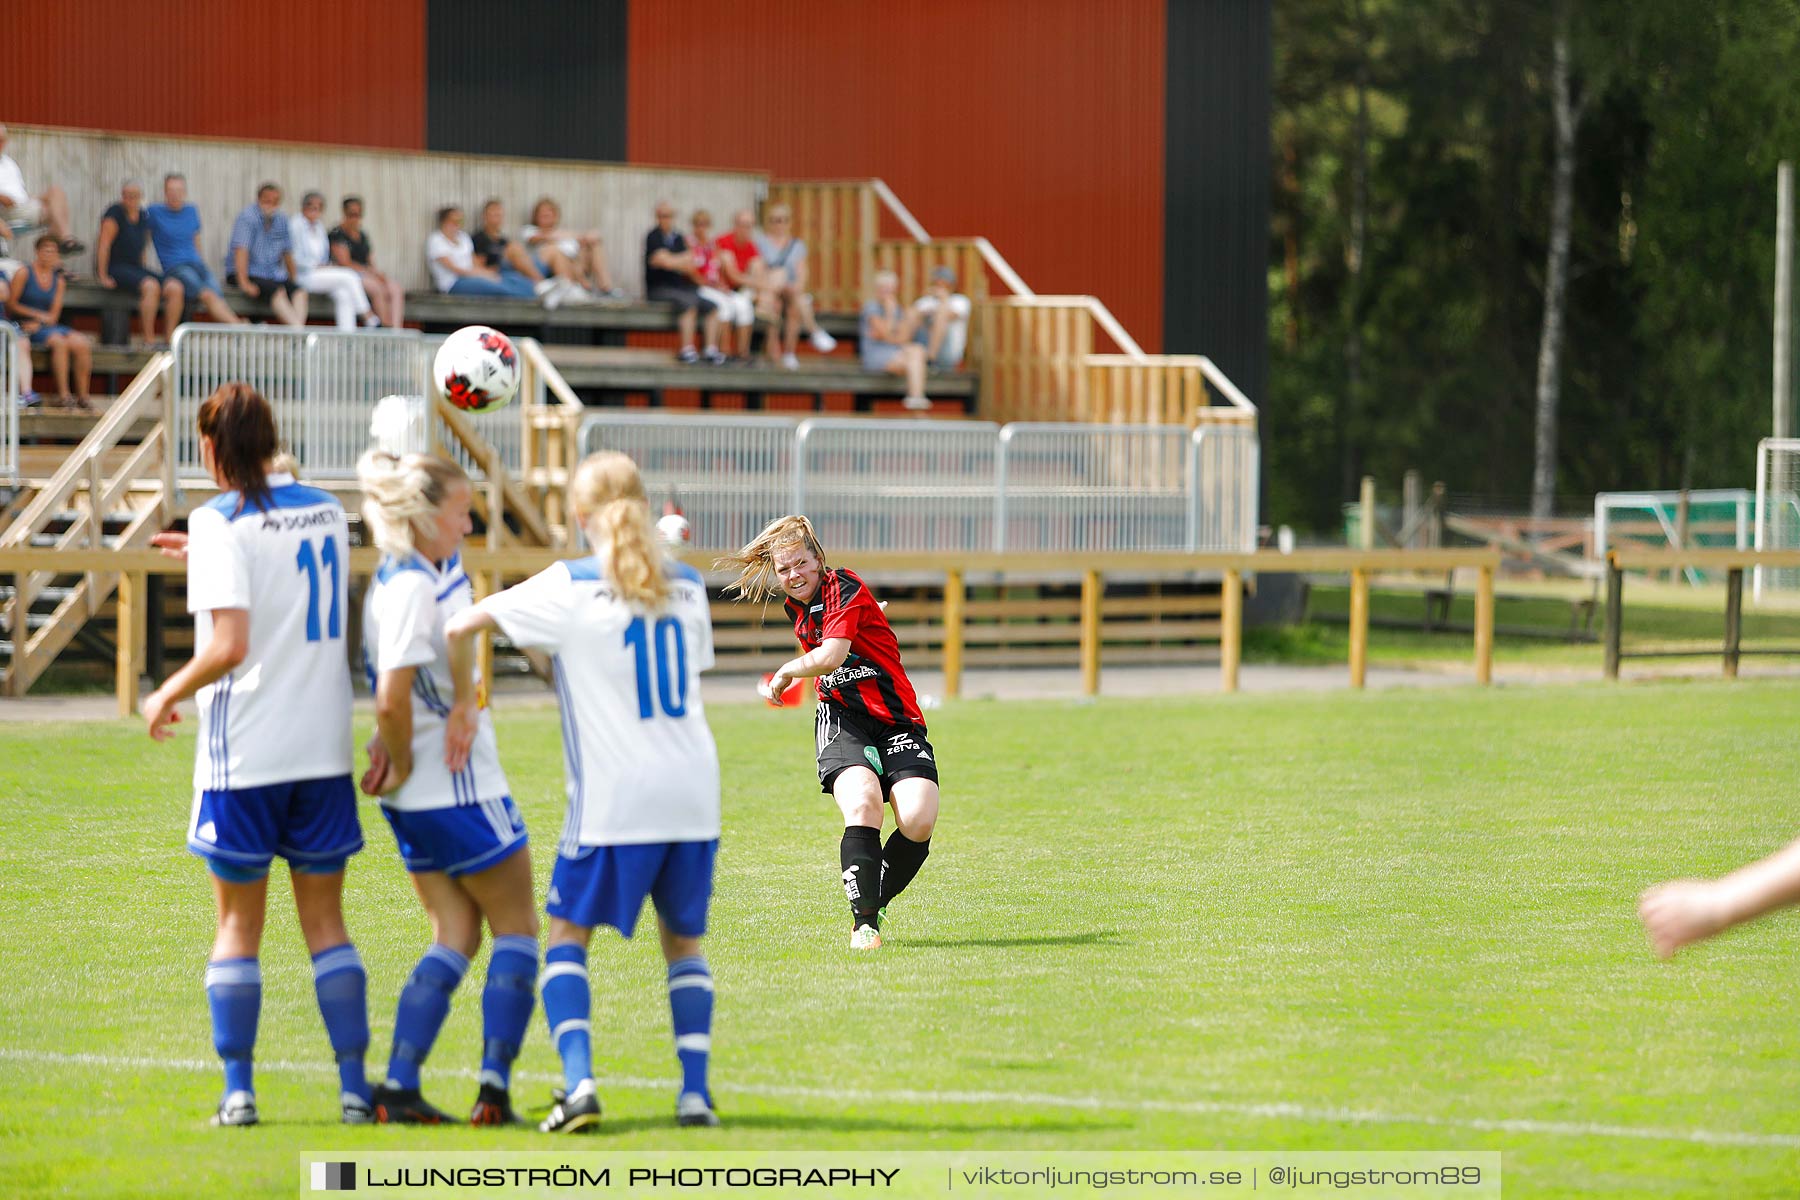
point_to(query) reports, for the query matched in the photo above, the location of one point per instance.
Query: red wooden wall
(1036, 123)
(353, 72)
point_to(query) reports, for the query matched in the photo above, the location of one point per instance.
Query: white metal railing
(1080, 486)
(916, 484)
(731, 475)
(1226, 475)
(9, 402)
(323, 386)
(947, 485)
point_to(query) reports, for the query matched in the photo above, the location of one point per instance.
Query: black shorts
(268, 287)
(683, 297)
(852, 739)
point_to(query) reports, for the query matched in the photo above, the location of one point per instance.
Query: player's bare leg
(858, 795)
(1683, 911)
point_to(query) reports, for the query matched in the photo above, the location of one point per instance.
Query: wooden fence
(1733, 562)
(1041, 358)
(489, 567)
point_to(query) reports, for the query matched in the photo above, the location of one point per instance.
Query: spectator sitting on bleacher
(350, 248)
(885, 339)
(119, 262)
(942, 319)
(740, 266)
(731, 308)
(315, 271)
(20, 211)
(451, 255)
(259, 259)
(585, 251)
(175, 232)
(784, 289)
(551, 273)
(21, 341)
(667, 262)
(36, 303)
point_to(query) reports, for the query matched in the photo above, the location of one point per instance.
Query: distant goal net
(1777, 511)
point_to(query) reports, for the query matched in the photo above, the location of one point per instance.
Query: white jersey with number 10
(640, 761)
(284, 713)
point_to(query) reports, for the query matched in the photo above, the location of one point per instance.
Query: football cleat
(405, 1106)
(493, 1106)
(693, 1109)
(355, 1110)
(238, 1108)
(865, 937)
(575, 1112)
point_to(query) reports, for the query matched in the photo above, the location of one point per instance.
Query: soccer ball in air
(477, 369)
(673, 530)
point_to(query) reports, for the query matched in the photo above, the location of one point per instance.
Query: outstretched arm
(827, 658)
(1683, 911)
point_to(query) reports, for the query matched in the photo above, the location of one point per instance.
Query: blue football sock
(691, 1005)
(424, 1003)
(506, 1004)
(343, 988)
(234, 993)
(567, 1007)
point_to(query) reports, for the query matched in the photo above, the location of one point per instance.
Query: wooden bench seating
(609, 374)
(436, 311)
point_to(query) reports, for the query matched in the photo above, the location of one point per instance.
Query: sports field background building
(1119, 150)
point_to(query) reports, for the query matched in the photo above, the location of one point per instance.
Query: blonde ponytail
(608, 497)
(755, 563)
(399, 492)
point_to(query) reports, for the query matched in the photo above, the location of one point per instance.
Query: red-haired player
(869, 730)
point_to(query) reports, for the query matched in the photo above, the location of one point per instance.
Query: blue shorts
(44, 333)
(459, 840)
(197, 278)
(310, 822)
(130, 278)
(606, 885)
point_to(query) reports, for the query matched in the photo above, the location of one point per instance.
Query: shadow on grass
(1097, 937)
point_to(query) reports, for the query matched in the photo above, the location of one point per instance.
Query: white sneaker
(916, 404)
(823, 342)
(574, 293)
(544, 287)
(550, 293)
(791, 362)
(239, 1108)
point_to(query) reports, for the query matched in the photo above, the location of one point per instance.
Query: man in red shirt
(740, 271)
(868, 729)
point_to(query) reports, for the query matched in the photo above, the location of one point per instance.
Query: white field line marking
(1270, 1111)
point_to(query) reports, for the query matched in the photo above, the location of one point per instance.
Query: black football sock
(900, 862)
(860, 854)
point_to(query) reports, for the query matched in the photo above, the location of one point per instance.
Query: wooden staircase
(110, 492)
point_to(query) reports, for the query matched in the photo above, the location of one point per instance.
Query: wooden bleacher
(601, 374)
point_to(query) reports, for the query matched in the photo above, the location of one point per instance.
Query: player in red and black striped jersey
(869, 732)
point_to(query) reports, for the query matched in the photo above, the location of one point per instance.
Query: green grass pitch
(1387, 921)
